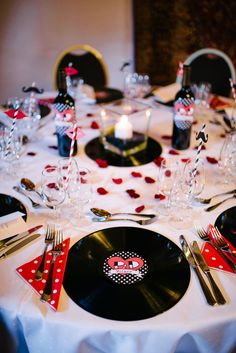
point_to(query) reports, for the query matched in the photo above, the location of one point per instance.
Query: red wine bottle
(64, 103)
(183, 113)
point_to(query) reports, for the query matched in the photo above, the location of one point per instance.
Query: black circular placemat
(226, 223)
(94, 149)
(126, 273)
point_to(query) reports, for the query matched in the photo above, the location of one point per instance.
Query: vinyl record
(126, 273)
(94, 149)
(226, 223)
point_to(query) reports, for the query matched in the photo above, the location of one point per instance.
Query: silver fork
(56, 250)
(207, 201)
(220, 241)
(205, 237)
(49, 236)
(142, 222)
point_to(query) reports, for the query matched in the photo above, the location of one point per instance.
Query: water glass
(136, 85)
(227, 160)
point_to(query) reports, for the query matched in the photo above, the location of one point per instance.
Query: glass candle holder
(124, 127)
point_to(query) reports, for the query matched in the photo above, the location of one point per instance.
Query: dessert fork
(56, 250)
(49, 236)
(202, 233)
(220, 241)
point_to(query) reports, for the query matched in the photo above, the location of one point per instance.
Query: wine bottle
(183, 113)
(65, 106)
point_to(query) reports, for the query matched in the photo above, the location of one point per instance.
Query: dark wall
(167, 31)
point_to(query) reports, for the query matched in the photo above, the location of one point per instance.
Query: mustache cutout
(32, 89)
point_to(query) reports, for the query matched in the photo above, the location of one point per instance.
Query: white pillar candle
(123, 129)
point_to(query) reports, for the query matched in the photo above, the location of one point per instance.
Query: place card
(12, 224)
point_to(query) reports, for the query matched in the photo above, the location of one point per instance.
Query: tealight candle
(123, 129)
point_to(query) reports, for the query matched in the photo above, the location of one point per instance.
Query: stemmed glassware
(193, 179)
(227, 160)
(136, 85)
(52, 190)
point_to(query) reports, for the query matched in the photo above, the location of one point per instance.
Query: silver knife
(19, 245)
(202, 263)
(189, 257)
(19, 236)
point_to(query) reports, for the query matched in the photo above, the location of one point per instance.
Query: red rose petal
(132, 193)
(212, 160)
(89, 115)
(102, 163)
(102, 191)
(53, 147)
(160, 196)
(222, 135)
(158, 160)
(31, 154)
(149, 180)
(117, 180)
(166, 137)
(185, 160)
(52, 186)
(136, 174)
(139, 209)
(94, 125)
(174, 152)
(168, 173)
(202, 148)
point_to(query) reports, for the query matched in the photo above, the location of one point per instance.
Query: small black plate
(226, 223)
(94, 149)
(126, 273)
(106, 95)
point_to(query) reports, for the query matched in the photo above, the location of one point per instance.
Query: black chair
(213, 66)
(87, 61)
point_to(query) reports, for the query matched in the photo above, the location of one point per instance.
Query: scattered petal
(149, 180)
(102, 163)
(168, 173)
(117, 180)
(222, 135)
(102, 191)
(194, 122)
(202, 148)
(53, 147)
(52, 186)
(160, 197)
(166, 137)
(89, 115)
(185, 160)
(31, 154)
(94, 125)
(158, 160)
(132, 193)
(212, 160)
(174, 152)
(136, 174)
(139, 209)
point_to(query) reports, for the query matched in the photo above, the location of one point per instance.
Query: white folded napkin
(12, 224)
(167, 93)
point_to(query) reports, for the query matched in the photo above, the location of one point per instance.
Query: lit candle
(123, 129)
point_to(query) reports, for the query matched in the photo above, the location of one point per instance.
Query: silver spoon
(34, 204)
(99, 212)
(28, 185)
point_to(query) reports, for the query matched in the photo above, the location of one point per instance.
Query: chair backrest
(213, 66)
(87, 60)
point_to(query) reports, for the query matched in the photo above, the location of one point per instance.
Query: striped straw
(233, 122)
(179, 74)
(11, 131)
(31, 101)
(74, 136)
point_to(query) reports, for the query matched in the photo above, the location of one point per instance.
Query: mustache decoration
(202, 136)
(32, 89)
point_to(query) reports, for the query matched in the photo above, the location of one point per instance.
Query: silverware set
(194, 257)
(206, 201)
(49, 237)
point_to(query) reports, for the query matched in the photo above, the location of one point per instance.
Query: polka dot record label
(125, 267)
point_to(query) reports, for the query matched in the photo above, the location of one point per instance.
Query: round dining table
(190, 325)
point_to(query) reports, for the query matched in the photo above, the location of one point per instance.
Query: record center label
(125, 267)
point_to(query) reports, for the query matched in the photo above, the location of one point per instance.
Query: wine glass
(52, 190)
(136, 85)
(227, 160)
(166, 178)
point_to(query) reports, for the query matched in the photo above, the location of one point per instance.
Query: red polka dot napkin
(213, 257)
(28, 270)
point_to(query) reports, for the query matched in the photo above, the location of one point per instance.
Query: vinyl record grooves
(126, 273)
(226, 223)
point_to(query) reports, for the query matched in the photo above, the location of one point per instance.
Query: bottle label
(183, 113)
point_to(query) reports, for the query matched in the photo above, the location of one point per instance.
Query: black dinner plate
(126, 273)
(106, 95)
(226, 223)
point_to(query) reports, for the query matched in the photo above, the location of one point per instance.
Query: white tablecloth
(28, 325)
